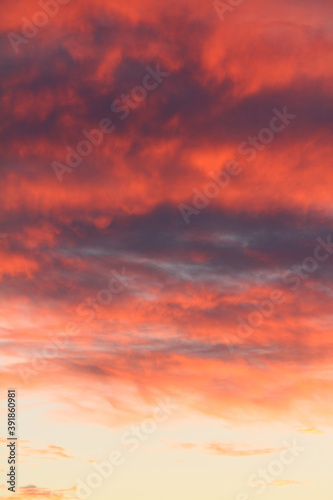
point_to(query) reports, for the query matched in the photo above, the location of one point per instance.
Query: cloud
(286, 482)
(33, 491)
(49, 452)
(120, 208)
(224, 449)
(311, 431)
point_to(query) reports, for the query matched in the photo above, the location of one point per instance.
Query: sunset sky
(166, 248)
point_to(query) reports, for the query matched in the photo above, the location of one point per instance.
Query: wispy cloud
(286, 482)
(227, 449)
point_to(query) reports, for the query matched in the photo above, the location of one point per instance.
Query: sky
(166, 249)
